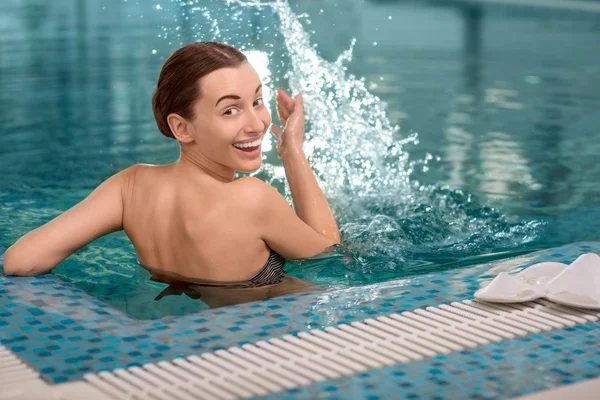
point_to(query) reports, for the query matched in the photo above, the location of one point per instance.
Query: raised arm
(279, 226)
(309, 202)
(45, 247)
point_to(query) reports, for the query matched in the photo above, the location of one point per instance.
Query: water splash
(387, 218)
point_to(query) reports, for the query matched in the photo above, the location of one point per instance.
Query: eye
(258, 102)
(231, 111)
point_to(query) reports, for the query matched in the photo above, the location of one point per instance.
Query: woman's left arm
(45, 247)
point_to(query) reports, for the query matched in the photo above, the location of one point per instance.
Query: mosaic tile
(494, 371)
(64, 333)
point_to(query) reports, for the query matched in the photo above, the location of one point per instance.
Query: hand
(291, 116)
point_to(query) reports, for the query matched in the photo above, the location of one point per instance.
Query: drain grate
(294, 360)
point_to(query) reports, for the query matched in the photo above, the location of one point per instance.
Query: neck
(192, 163)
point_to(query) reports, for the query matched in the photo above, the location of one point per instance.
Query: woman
(190, 221)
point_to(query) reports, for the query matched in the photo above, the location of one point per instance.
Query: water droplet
(374, 43)
(153, 51)
(158, 7)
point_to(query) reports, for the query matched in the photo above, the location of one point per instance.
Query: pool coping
(82, 334)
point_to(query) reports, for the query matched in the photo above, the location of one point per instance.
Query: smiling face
(230, 119)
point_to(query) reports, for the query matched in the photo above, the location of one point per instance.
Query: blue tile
(95, 336)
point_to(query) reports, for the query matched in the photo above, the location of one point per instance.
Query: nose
(254, 122)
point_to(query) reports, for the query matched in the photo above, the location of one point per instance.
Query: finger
(284, 109)
(290, 104)
(283, 112)
(299, 103)
(283, 120)
(299, 108)
(286, 101)
(284, 96)
(276, 131)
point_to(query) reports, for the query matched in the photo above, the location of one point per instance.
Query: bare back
(190, 218)
(197, 229)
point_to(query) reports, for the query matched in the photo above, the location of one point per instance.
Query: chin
(249, 167)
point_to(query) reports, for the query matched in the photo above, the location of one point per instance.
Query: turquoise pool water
(472, 137)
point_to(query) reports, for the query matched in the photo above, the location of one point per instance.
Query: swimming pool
(503, 164)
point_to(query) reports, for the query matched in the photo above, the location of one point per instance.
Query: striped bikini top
(272, 273)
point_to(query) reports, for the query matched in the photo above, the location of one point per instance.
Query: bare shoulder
(253, 189)
(250, 185)
(137, 176)
(277, 223)
(256, 194)
(142, 171)
(126, 177)
(128, 172)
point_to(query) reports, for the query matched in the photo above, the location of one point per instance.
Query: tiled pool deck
(63, 332)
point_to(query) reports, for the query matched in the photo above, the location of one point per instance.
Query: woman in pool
(190, 221)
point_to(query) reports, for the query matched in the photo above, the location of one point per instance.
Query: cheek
(265, 116)
(219, 131)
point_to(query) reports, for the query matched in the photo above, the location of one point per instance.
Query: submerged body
(191, 219)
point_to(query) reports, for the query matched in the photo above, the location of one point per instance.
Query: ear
(180, 128)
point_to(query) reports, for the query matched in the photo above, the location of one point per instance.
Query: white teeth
(246, 145)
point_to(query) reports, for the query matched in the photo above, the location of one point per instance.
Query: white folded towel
(575, 285)
(578, 284)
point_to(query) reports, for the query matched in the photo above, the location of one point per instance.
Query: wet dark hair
(177, 88)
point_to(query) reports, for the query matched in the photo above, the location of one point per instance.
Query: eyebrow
(235, 97)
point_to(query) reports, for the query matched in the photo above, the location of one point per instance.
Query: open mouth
(249, 148)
